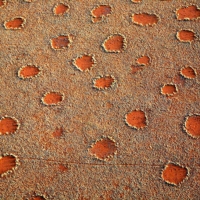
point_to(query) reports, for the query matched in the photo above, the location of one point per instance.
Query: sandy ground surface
(99, 107)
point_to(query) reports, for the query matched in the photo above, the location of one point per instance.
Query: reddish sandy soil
(99, 100)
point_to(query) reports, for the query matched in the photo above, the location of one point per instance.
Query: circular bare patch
(8, 163)
(104, 148)
(192, 125)
(84, 62)
(61, 42)
(100, 12)
(144, 60)
(145, 19)
(61, 9)
(8, 125)
(15, 23)
(185, 36)
(174, 174)
(104, 82)
(188, 72)
(169, 89)
(52, 98)
(28, 71)
(136, 119)
(115, 43)
(188, 13)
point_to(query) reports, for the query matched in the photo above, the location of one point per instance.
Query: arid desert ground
(99, 100)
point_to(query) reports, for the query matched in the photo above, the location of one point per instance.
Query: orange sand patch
(188, 72)
(192, 125)
(145, 19)
(7, 163)
(59, 143)
(188, 13)
(169, 89)
(144, 60)
(114, 43)
(15, 23)
(185, 36)
(28, 71)
(52, 98)
(174, 174)
(62, 168)
(103, 148)
(61, 9)
(136, 119)
(84, 63)
(57, 133)
(104, 82)
(8, 125)
(101, 11)
(2, 2)
(60, 42)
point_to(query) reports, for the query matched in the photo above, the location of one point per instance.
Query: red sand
(84, 63)
(103, 148)
(104, 82)
(8, 125)
(52, 98)
(60, 42)
(7, 163)
(114, 43)
(61, 9)
(98, 144)
(15, 23)
(174, 174)
(28, 71)
(136, 119)
(144, 19)
(169, 89)
(192, 125)
(188, 13)
(186, 36)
